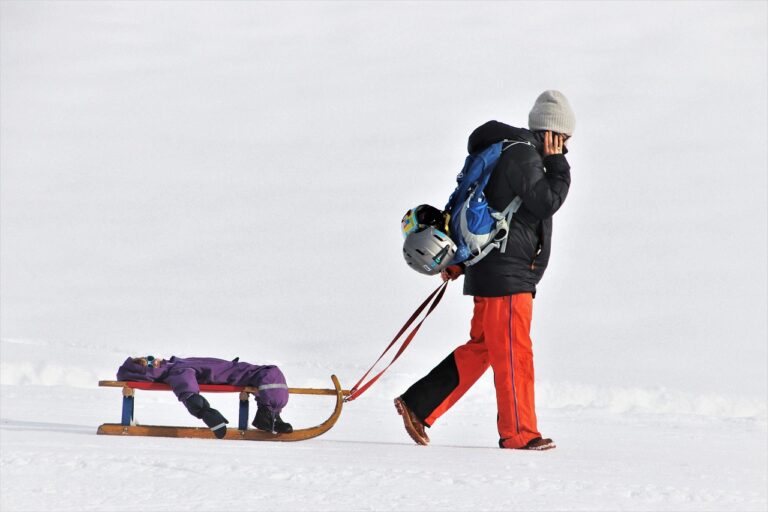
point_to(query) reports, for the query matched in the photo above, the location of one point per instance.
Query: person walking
(503, 284)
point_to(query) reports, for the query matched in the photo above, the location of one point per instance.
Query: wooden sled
(129, 428)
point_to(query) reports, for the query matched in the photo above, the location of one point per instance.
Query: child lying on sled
(184, 375)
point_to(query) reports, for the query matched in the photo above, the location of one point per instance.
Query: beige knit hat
(552, 112)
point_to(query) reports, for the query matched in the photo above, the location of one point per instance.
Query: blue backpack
(474, 226)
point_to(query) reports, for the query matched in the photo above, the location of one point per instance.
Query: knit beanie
(552, 112)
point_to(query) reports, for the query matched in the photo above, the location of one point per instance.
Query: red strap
(437, 295)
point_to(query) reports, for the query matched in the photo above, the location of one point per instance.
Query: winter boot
(270, 422)
(537, 444)
(200, 408)
(413, 425)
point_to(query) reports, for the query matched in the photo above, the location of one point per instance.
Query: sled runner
(127, 426)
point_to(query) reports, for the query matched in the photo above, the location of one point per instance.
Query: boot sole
(409, 426)
(542, 448)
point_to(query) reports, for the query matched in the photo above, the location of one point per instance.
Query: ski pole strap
(437, 295)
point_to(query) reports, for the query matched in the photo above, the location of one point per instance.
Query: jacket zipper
(533, 261)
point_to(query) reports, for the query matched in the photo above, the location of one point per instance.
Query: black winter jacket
(543, 184)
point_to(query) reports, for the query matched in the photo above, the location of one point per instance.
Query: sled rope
(437, 295)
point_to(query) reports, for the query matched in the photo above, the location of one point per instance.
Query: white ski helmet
(427, 249)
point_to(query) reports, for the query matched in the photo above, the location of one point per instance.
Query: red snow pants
(499, 338)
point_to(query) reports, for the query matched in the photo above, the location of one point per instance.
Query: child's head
(150, 361)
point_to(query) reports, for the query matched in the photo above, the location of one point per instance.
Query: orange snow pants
(500, 338)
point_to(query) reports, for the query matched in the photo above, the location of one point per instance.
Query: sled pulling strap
(357, 389)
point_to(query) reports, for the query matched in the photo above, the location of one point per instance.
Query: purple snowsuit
(184, 375)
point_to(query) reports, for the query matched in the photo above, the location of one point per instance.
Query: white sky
(228, 178)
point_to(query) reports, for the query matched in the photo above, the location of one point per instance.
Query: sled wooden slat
(241, 433)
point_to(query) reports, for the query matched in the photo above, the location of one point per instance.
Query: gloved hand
(452, 272)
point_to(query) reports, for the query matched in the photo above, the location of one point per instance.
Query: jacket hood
(494, 131)
(131, 370)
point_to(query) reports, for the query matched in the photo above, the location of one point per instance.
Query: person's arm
(542, 191)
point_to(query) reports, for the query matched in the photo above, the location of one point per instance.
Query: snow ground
(150, 152)
(619, 449)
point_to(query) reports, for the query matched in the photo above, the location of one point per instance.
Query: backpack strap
(514, 143)
(501, 244)
(508, 212)
(482, 254)
(512, 208)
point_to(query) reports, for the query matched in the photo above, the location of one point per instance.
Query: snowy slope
(620, 449)
(227, 179)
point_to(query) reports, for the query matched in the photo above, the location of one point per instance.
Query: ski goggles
(419, 218)
(410, 223)
(150, 361)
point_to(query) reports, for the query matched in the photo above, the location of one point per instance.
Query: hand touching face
(553, 143)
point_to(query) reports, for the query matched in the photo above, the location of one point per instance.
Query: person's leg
(430, 397)
(507, 335)
(199, 407)
(273, 390)
(272, 397)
